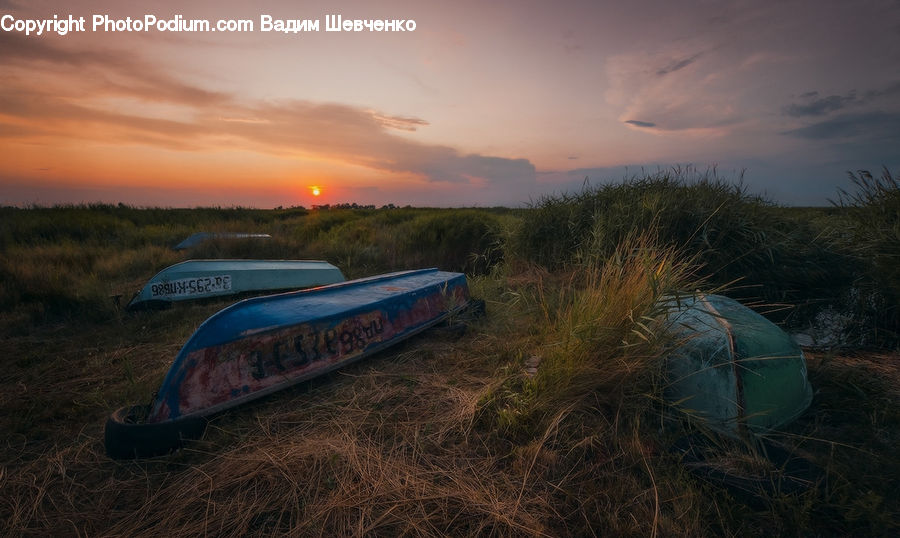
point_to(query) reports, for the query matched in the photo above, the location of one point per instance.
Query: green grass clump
(467, 240)
(870, 233)
(600, 339)
(53, 281)
(320, 222)
(738, 239)
(604, 335)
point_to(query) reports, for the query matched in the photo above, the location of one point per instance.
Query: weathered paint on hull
(265, 344)
(734, 369)
(202, 279)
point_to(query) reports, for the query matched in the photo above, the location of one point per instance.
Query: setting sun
(315, 190)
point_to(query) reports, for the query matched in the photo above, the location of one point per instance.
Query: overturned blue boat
(265, 344)
(202, 279)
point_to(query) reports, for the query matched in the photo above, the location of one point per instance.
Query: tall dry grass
(602, 334)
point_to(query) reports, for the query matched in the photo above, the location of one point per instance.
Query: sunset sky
(485, 103)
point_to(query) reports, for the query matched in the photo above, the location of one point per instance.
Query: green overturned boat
(732, 368)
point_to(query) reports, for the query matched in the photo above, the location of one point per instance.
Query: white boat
(201, 279)
(200, 237)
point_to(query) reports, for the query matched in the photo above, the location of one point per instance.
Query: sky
(482, 104)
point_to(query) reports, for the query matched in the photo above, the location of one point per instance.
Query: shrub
(736, 237)
(870, 234)
(454, 240)
(54, 282)
(321, 221)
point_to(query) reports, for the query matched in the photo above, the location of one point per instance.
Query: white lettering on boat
(186, 287)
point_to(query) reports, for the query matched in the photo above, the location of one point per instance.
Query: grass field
(545, 418)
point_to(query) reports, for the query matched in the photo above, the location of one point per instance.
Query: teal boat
(201, 279)
(732, 368)
(201, 237)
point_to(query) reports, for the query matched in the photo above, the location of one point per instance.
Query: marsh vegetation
(545, 418)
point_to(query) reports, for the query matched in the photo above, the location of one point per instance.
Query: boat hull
(201, 237)
(265, 344)
(203, 279)
(733, 369)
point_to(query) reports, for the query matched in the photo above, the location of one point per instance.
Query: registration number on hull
(186, 287)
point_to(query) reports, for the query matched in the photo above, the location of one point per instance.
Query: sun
(315, 190)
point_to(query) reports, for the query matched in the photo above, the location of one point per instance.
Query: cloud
(638, 123)
(697, 94)
(854, 125)
(399, 122)
(25, 191)
(880, 126)
(41, 115)
(105, 72)
(718, 83)
(244, 120)
(890, 90)
(820, 106)
(498, 170)
(87, 88)
(678, 64)
(576, 179)
(571, 42)
(813, 105)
